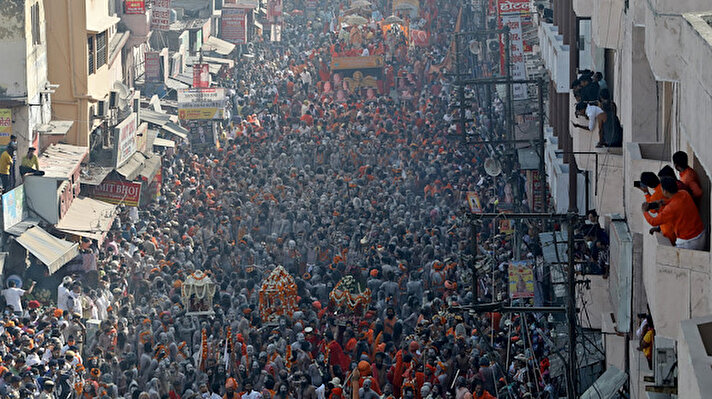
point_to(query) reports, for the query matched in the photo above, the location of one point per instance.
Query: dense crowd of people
(327, 187)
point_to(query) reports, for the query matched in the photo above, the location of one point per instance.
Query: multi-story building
(84, 58)
(25, 91)
(654, 55)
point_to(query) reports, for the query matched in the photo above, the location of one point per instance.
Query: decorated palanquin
(348, 299)
(197, 292)
(359, 74)
(278, 295)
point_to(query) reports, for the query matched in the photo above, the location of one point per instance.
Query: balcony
(695, 344)
(665, 30)
(677, 283)
(641, 157)
(584, 8)
(555, 55)
(605, 167)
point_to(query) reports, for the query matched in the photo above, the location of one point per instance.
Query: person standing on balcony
(681, 212)
(592, 113)
(649, 181)
(687, 174)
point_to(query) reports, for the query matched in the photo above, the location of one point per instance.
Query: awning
(155, 117)
(151, 166)
(60, 161)
(55, 127)
(132, 167)
(607, 385)
(164, 143)
(98, 25)
(93, 174)
(50, 250)
(176, 129)
(175, 84)
(87, 217)
(117, 43)
(218, 45)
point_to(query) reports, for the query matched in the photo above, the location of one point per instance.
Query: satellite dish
(124, 94)
(492, 167)
(474, 47)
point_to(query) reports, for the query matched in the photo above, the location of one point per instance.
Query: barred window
(101, 49)
(90, 46)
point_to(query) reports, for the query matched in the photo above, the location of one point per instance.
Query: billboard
(5, 125)
(125, 133)
(201, 75)
(233, 27)
(274, 9)
(152, 66)
(134, 7)
(13, 207)
(118, 192)
(205, 104)
(510, 14)
(161, 15)
(521, 280)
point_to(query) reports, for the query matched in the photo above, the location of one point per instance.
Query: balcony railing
(677, 283)
(604, 164)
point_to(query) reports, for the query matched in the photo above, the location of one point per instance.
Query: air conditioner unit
(113, 96)
(664, 362)
(101, 109)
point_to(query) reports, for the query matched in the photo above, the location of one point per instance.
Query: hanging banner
(161, 15)
(234, 25)
(125, 136)
(152, 66)
(134, 7)
(5, 125)
(274, 9)
(521, 280)
(249, 4)
(118, 192)
(510, 14)
(473, 200)
(196, 104)
(201, 75)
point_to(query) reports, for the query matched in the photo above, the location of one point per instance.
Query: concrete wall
(677, 283)
(13, 80)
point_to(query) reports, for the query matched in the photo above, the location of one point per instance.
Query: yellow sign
(201, 113)
(5, 125)
(521, 280)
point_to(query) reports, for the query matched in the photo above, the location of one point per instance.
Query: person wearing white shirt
(590, 112)
(13, 295)
(63, 293)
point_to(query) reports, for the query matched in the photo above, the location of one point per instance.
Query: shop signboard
(125, 133)
(152, 66)
(134, 7)
(234, 25)
(13, 207)
(5, 125)
(201, 75)
(118, 192)
(510, 15)
(201, 103)
(161, 15)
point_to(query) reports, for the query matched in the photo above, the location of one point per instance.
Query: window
(35, 17)
(90, 46)
(101, 49)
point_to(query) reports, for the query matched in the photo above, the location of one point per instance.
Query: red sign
(513, 6)
(274, 9)
(152, 66)
(161, 15)
(118, 192)
(234, 25)
(201, 75)
(134, 7)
